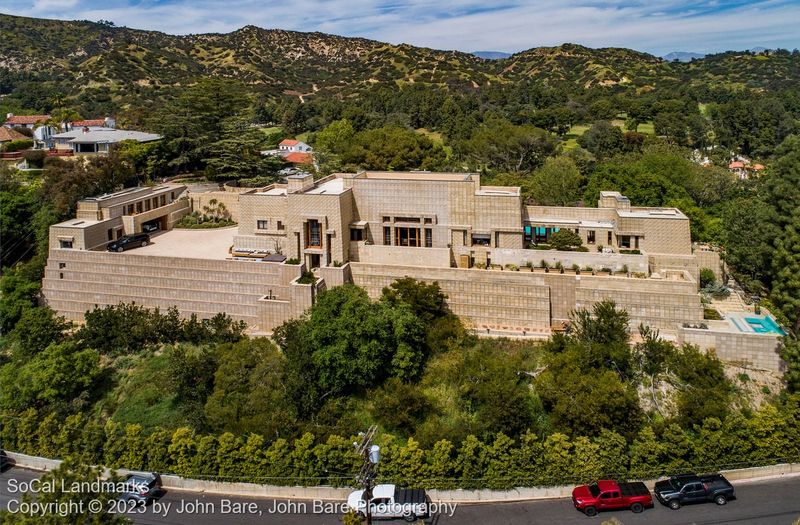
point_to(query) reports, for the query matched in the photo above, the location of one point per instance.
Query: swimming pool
(764, 325)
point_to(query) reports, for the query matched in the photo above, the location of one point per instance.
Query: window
(497, 239)
(163, 200)
(636, 242)
(60, 275)
(62, 265)
(66, 244)
(155, 202)
(387, 236)
(625, 241)
(406, 219)
(406, 237)
(481, 239)
(110, 234)
(387, 219)
(428, 220)
(262, 224)
(147, 205)
(313, 234)
(609, 238)
(139, 207)
(172, 195)
(590, 237)
(280, 225)
(130, 209)
(356, 234)
(428, 238)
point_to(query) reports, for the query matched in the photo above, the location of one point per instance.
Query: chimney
(110, 122)
(9, 115)
(86, 129)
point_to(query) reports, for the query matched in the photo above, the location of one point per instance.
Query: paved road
(758, 503)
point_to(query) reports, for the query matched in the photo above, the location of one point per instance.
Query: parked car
(141, 488)
(390, 502)
(691, 488)
(126, 242)
(150, 227)
(4, 461)
(609, 495)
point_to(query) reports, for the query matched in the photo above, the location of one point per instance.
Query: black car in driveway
(126, 242)
(691, 488)
(141, 488)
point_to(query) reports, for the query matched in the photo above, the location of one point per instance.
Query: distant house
(9, 134)
(293, 151)
(292, 145)
(88, 141)
(738, 168)
(743, 169)
(99, 123)
(25, 121)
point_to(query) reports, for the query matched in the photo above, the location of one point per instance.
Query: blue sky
(657, 26)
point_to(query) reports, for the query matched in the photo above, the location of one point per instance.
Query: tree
(703, 390)
(749, 231)
(501, 146)
(427, 301)
(336, 137)
(790, 353)
(565, 239)
(237, 153)
(393, 148)
(60, 374)
(783, 183)
(786, 272)
(557, 183)
(400, 406)
(603, 139)
(249, 393)
(36, 329)
(78, 505)
(348, 343)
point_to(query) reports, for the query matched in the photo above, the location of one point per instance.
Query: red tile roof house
(738, 168)
(24, 121)
(294, 145)
(297, 157)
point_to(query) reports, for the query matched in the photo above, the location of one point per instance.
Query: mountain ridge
(80, 56)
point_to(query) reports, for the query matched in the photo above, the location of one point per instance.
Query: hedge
(771, 435)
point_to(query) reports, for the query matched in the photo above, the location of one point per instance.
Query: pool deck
(739, 323)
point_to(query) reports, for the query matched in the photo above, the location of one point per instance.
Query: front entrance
(314, 260)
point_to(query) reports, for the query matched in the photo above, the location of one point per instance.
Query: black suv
(127, 242)
(141, 488)
(690, 488)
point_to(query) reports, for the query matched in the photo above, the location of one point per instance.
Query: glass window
(280, 225)
(66, 244)
(428, 238)
(387, 219)
(110, 234)
(163, 200)
(625, 241)
(356, 234)
(481, 239)
(262, 224)
(406, 219)
(609, 238)
(314, 233)
(387, 235)
(139, 207)
(590, 237)
(428, 220)
(406, 236)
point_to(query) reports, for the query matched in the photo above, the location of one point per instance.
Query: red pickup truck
(607, 494)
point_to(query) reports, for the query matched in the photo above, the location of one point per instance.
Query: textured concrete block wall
(754, 350)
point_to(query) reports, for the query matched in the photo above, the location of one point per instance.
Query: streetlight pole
(370, 455)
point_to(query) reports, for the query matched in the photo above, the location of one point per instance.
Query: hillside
(77, 57)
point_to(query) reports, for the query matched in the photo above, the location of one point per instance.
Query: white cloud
(657, 26)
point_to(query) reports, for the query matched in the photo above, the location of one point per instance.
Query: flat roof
(78, 224)
(272, 191)
(106, 135)
(212, 243)
(503, 191)
(571, 222)
(415, 175)
(664, 213)
(331, 187)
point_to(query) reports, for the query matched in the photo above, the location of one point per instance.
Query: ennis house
(483, 246)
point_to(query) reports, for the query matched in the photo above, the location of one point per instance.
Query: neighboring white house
(25, 121)
(88, 141)
(291, 145)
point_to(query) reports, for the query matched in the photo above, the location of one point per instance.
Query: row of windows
(147, 204)
(263, 224)
(404, 236)
(425, 220)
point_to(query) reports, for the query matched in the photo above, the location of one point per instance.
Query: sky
(655, 26)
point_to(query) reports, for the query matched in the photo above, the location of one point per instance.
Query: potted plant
(559, 267)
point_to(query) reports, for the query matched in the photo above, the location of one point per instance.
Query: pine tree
(786, 272)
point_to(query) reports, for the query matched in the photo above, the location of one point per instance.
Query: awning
(359, 224)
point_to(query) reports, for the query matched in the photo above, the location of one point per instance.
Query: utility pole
(371, 455)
